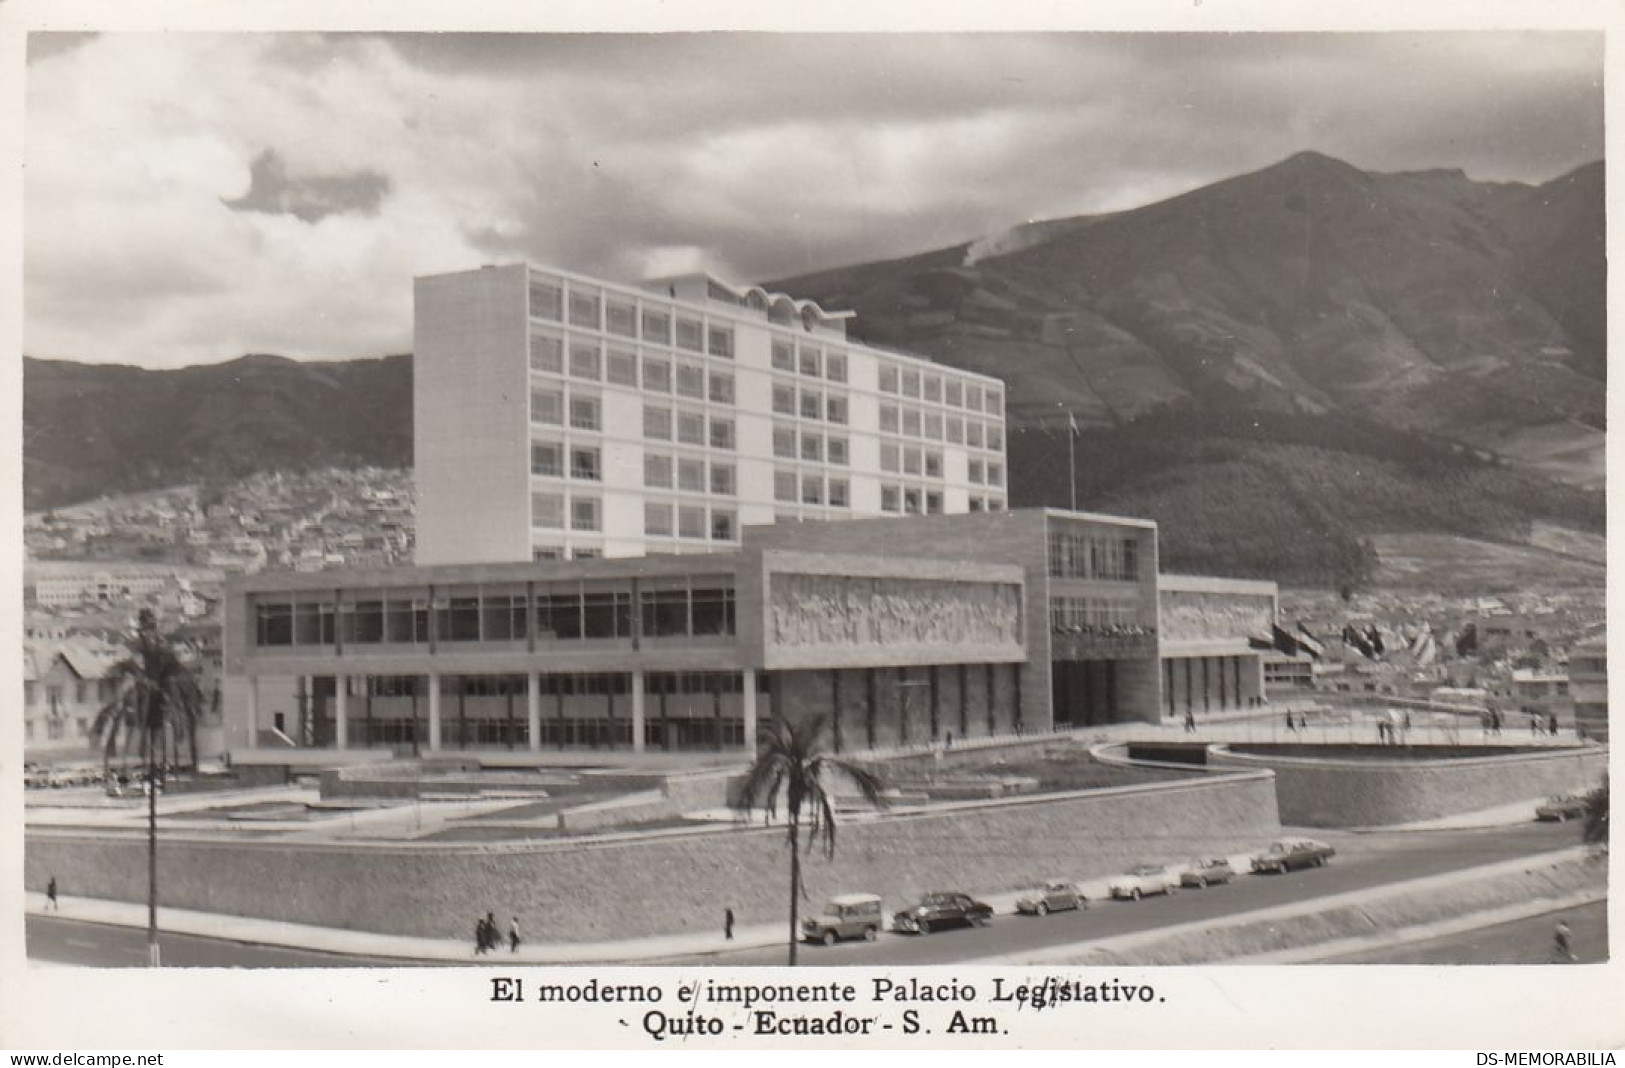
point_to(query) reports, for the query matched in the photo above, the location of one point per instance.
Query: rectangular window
(656, 422)
(911, 383)
(620, 316)
(977, 504)
(973, 471)
(584, 411)
(584, 359)
(888, 418)
(973, 397)
(722, 433)
(995, 437)
(457, 619)
(812, 489)
(933, 503)
(691, 475)
(995, 474)
(657, 325)
(621, 367)
(690, 428)
(584, 307)
(558, 615)
(933, 425)
(933, 464)
(888, 378)
(836, 449)
(890, 458)
(812, 448)
(691, 521)
(690, 381)
(953, 392)
(911, 422)
(690, 334)
(546, 299)
(665, 613)
(993, 402)
(547, 353)
(606, 615)
(954, 430)
(713, 614)
(547, 458)
(656, 375)
(656, 470)
(547, 406)
(835, 366)
(784, 355)
(583, 513)
(722, 479)
(784, 486)
(720, 387)
(274, 624)
(838, 497)
(932, 387)
(784, 399)
(657, 519)
(837, 410)
(973, 433)
(784, 442)
(890, 499)
(547, 511)
(722, 525)
(721, 341)
(586, 464)
(911, 501)
(812, 362)
(911, 461)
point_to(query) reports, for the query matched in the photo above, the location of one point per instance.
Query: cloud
(310, 198)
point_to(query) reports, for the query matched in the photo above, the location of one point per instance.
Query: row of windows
(808, 359)
(83, 690)
(910, 460)
(789, 487)
(568, 684)
(547, 511)
(664, 423)
(910, 500)
(589, 307)
(690, 521)
(547, 458)
(1092, 613)
(984, 473)
(914, 423)
(486, 616)
(688, 473)
(808, 445)
(913, 383)
(1093, 556)
(586, 358)
(808, 403)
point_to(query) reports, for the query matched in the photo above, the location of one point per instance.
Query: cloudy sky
(193, 197)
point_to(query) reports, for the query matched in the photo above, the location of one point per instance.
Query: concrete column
(533, 709)
(747, 684)
(253, 711)
(637, 711)
(434, 711)
(341, 708)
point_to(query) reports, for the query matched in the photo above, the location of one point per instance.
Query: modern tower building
(563, 417)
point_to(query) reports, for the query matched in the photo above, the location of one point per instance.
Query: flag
(1071, 422)
(1310, 642)
(1284, 641)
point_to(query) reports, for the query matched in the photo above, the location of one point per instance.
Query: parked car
(1290, 853)
(936, 911)
(1051, 896)
(34, 775)
(1144, 879)
(845, 916)
(1561, 807)
(1207, 871)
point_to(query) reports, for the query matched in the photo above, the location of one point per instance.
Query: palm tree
(1596, 815)
(792, 761)
(157, 703)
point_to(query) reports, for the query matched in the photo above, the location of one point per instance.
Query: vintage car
(1289, 853)
(1050, 896)
(1561, 807)
(1207, 871)
(936, 911)
(845, 916)
(1144, 879)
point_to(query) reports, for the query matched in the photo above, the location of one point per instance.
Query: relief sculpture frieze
(834, 610)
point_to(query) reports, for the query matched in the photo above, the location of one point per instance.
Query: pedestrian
(1290, 728)
(482, 940)
(1563, 944)
(1551, 724)
(513, 935)
(728, 924)
(50, 895)
(949, 744)
(1534, 725)
(1190, 721)
(493, 934)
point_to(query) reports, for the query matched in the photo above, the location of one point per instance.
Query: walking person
(1551, 724)
(1190, 722)
(1289, 725)
(50, 895)
(728, 924)
(482, 940)
(513, 935)
(1562, 944)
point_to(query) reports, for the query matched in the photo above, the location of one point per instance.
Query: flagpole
(1072, 457)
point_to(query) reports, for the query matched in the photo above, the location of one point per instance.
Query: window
(890, 458)
(993, 402)
(584, 359)
(657, 325)
(547, 353)
(690, 381)
(995, 474)
(911, 461)
(722, 479)
(784, 399)
(585, 464)
(690, 428)
(890, 499)
(977, 504)
(933, 503)
(888, 378)
(722, 433)
(690, 334)
(911, 501)
(656, 375)
(606, 614)
(584, 307)
(973, 433)
(933, 464)
(784, 442)
(691, 475)
(273, 624)
(995, 437)
(457, 619)
(547, 511)
(954, 392)
(621, 367)
(954, 430)
(973, 397)
(812, 489)
(547, 406)
(932, 387)
(838, 496)
(811, 361)
(973, 471)
(721, 387)
(721, 341)
(784, 486)
(812, 404)
(620, 316)
(656, 470)
(835, 448)
(583, 513)
(933, 425)
(784, 355)
(911, 383)
(547, 458)
(994, 504)
(812, 448)
(657, 519)
(835, 366)
(691, 521)
(888, 418)
(584, 411)
(911, 422)
(546, 299)
(656, 422)
(837, 410)
(722, 525)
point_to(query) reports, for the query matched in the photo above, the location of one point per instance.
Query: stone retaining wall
(629, 886)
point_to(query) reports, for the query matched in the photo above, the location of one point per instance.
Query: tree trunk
(795, 883)
(153, 958)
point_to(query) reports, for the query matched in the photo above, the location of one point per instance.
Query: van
(845, 916)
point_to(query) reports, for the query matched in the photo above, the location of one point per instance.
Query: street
(1526, 941)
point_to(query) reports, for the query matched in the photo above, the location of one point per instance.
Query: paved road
(1527, 941)
(1363, 860)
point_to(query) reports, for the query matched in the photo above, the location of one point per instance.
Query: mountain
(89, 430)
